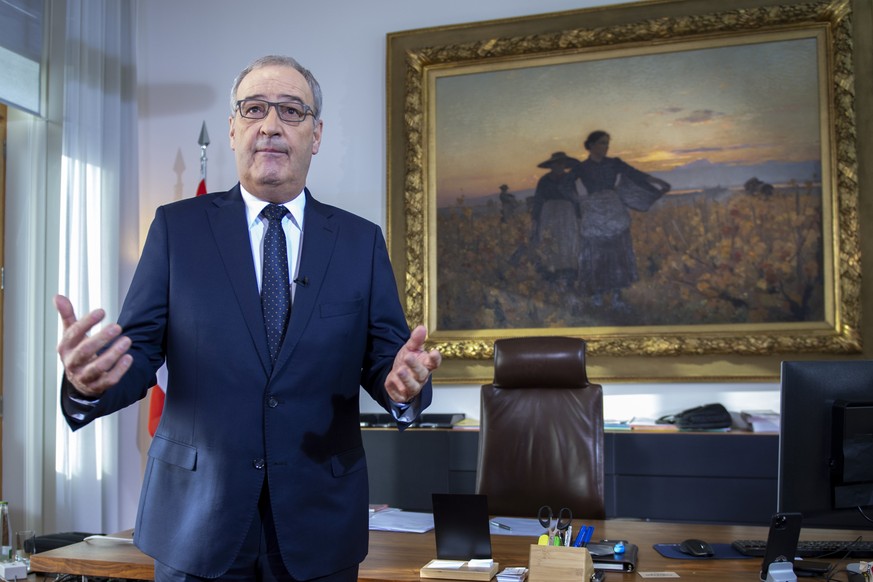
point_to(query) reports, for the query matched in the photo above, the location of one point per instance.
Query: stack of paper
(404, 521)
(512, 575)
(459, 569)
(762, 420)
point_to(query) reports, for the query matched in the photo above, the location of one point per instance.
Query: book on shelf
(460, 569)
(466, 424)
(638, 423)
(613, 424)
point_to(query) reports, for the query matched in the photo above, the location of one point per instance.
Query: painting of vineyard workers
(676, 188)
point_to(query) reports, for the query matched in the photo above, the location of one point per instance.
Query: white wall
(189, 53)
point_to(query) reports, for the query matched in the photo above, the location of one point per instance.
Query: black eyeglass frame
(307, 110)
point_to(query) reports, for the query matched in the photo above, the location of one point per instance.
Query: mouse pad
(722, 552)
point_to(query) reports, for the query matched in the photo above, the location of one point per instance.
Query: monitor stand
(781, 572)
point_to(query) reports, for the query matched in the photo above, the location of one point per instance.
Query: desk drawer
(404, 468)
(694, 455)
(696, 499)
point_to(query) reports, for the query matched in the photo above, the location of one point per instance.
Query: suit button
(272, 402)
(258, 463)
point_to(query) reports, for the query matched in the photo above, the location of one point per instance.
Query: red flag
(156, 407)
(156, 402)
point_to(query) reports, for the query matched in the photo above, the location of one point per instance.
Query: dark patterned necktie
(275, 284)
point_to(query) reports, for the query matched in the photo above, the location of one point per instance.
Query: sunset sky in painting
(736, 105)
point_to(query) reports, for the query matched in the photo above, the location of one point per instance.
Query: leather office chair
(541, 430)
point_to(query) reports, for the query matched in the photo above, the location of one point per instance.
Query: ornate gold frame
(615, 354)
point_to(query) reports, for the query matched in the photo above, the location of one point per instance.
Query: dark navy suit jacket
(230, 421)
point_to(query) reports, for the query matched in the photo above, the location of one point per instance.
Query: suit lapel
(227, 218)
(319, 239)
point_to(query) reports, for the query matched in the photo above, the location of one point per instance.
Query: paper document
(404, 521)
(446, 564)
(518, 526)
(761, 420)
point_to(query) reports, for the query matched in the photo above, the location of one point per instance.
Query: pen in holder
(548, 563)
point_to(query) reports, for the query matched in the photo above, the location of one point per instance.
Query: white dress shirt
(292, 224)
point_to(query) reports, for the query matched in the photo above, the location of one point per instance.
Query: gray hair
(279, 60)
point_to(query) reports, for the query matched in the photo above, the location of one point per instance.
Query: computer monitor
(826, 442)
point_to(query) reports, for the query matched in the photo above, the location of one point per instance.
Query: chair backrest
(541, 430)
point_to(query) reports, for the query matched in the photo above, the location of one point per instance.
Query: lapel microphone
(302, 281)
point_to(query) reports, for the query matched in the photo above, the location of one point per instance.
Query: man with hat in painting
(555, 217)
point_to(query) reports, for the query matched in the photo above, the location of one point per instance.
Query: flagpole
(157, 398)
(204, 142)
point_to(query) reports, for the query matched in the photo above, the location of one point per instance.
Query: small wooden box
(549, 563)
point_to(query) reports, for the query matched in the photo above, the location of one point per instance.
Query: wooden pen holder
(549, 563)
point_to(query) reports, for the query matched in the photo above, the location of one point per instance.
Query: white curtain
(97, 245)
(24, 348)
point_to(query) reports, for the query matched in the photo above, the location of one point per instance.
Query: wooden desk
(395, 556)
(399, 556)
(105, 559)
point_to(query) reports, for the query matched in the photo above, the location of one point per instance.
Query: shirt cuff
(76, 404)
(406, 412)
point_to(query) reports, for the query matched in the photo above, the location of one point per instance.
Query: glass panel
(21, 44)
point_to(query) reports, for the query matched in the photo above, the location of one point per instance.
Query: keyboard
(812, 548)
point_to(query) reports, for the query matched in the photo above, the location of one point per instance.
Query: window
(21, 47)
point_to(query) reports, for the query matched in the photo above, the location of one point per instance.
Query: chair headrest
(540, 362)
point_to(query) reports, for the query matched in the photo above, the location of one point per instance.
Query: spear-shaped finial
(203, 141)
(204, 137)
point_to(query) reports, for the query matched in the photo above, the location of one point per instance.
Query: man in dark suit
(257, 469)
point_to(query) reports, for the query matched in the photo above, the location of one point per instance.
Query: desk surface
(106, 559)
(399, 556)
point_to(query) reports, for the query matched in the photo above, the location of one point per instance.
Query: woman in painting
(607, 187)
(555, 214)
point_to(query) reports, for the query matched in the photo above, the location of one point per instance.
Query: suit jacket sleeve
(388, 333)
(149, 281)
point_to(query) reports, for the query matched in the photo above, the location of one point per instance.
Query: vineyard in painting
(725, 256)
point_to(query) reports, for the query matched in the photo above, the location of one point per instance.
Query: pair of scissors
(554, 533)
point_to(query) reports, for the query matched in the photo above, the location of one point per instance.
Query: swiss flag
(156, 402)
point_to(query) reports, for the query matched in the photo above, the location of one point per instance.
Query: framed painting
(676, 183)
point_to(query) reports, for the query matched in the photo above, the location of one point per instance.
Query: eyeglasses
(289, 111)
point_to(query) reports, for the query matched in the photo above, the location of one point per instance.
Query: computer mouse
(695, 547)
